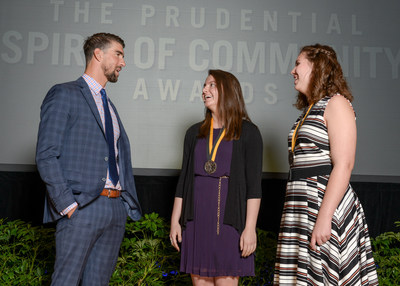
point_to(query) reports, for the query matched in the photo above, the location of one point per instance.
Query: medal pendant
(210, 167)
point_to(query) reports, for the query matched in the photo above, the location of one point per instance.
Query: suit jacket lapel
(90, 101)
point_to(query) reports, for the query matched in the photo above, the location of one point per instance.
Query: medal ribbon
(295, 133)
(213, 153)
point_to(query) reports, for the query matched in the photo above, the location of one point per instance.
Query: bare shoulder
(339, 100)
(339, 106)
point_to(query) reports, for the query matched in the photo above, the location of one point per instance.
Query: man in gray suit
(83, 156)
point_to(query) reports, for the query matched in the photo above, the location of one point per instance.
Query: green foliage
(386, 248)
(26, 253)
(146, 256)
(264, 260)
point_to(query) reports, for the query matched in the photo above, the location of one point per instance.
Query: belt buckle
(109, 193)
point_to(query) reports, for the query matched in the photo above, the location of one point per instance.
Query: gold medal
(210, 167)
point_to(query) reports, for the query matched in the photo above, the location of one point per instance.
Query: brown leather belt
(110, 193)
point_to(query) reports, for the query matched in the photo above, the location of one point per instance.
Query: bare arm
(248, 239)
(342, 132)
(176, 230)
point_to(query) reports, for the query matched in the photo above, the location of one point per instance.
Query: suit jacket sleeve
(53, 125)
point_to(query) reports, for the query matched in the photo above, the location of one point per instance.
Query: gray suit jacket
(72, 151)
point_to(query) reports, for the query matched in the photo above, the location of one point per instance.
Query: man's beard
(111, 76)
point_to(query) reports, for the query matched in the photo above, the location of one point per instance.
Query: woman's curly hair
(326, 76)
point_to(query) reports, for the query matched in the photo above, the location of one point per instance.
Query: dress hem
(213, 274)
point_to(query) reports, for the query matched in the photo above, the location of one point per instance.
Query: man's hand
(69, 214)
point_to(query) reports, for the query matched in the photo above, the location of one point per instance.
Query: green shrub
(386, 249)
(26, 253)
(146, 256)
(264, 260)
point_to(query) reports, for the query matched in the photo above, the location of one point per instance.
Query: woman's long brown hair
(231, 106)
(326, 77)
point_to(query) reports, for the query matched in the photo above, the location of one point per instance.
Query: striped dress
(346, 258)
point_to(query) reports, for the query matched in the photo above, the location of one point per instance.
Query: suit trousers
(87, 243)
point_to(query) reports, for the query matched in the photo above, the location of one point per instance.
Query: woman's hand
(175, 235)
(321, 232)
(248, 242)
(248, 239)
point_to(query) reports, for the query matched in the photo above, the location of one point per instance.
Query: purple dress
(209, 247)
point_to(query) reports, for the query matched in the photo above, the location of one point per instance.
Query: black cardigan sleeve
(253, 163)
(245, 175)
(184, 187)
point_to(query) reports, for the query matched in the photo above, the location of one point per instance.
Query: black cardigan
(245, 175)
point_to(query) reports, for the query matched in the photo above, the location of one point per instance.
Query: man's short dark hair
(100, 41)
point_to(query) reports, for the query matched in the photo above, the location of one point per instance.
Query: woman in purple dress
(218, 194)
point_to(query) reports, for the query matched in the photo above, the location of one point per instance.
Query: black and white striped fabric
(346, 259)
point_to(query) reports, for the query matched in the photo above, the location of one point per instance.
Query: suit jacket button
(106, 159)
(103, 179)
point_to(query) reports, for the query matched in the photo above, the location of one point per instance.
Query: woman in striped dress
(323, 237)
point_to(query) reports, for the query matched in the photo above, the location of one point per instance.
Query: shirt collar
(94, 86)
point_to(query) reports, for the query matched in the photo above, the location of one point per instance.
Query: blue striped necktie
(112, 165)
